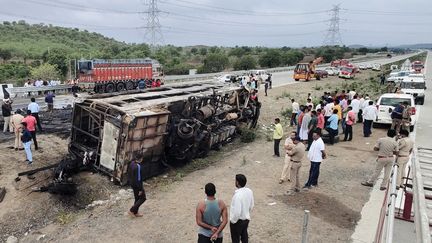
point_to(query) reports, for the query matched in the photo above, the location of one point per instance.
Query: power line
(154, 33)
(377, 12)
(333, 36)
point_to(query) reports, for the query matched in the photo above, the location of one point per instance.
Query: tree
(245, 63)
(194, 50)
(45, 71)
(57, 57)
(363, 50)
(271, 58)
(215, 62)
(203, 51)
(5, 54)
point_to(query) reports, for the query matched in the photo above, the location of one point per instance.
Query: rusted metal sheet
(171, 124)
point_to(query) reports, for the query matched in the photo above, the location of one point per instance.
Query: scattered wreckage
(162, 126)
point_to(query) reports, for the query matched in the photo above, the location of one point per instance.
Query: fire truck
(339, 63)
(112, 75)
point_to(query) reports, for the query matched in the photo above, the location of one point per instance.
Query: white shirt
(314, 153)
(355, 104)
(328, 109)
(318, 107)
(295, 107)
(365, 104)
(351, 94)
(310, 104)
(33, 107)
(361, 102)
(241, 205)
(370, 113)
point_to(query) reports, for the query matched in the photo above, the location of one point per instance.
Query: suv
(387, 102)
(414, 86)
(398, 76)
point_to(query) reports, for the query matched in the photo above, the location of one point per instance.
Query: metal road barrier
(24, 91)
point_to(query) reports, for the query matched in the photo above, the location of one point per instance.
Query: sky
(270, 23)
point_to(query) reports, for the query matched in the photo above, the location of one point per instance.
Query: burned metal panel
(109, 146)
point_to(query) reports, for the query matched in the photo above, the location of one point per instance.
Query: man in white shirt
(351, 94)
(355, 104)
(241, 205)
(369, 115)
(295, 109)
(309, 103)
(34, 108)
(365, 102)
(316, 154)
(328, 111)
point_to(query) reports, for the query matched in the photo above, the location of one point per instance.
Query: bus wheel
(109, 88)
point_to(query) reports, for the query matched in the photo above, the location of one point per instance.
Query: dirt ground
(169, 212)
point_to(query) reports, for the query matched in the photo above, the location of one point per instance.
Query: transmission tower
(153, 33)
(333, 36)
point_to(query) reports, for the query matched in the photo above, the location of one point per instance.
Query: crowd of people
(40, 82)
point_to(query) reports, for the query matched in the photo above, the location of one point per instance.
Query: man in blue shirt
(142, 84)
(332, 128)
(136, 182)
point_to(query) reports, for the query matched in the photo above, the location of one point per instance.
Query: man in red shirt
(349, 121)
(31, 127)
(321, 119)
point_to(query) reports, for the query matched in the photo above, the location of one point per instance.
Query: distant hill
(356, 46)
(416, 46)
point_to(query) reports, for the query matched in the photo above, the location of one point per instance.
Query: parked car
(259, 74)
(386, 104)
(369, 66)
(414, 86)
(347, 73)
(394, 67)
(362, 67)
(376, 67)
(332, 71)
(227, 78)
(322, 73)
(397, 77)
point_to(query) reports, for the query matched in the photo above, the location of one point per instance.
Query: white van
(415, 86)
(387, 102)
(259, 73)
(397, 77)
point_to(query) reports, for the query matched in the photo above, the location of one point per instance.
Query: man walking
(34, 108)
(136, 182)
(16, 120)
(349, 121)
(316, 154)
(369, 115)
(49, 99)
(295, 109)
(26, 140)
(304, 124)
(328, 111)
(332, 127)
(313, 123)
(7, 111)
(405, 145)
(321, 120)
(277, 136)
(355, 104)
(387, 147)
(296, 154)
(397, 115)
(241, 206)
(31, 122)
(208, 217)
(288, 145)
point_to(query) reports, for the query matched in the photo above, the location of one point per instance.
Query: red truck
(339, 63)
(417, 66)
(111, 75)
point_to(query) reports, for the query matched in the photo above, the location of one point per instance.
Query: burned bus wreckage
(162, 126)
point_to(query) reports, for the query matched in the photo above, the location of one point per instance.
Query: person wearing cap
(7, 111)
(405, 145)
(26, 140)
(16, 126)
(296, 154)
(288, 145)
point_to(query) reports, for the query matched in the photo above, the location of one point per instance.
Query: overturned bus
(161, 126)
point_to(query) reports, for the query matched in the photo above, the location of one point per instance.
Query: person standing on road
(305, 124)
(405, 145)
(382, 79)
(321, 119)
(309, 103)
(387, 147)
(277, 136)
(34, 108)
(349, 122)
(328, 111)
(295, 109)
(49, 99)
(266, 86)
(31, 123)
(7, 112)
(300, 118)
(16, 120)
(316, 154)
(332, 127)
(288, 145)
(136, 182)
(313, 123)
(369, 115)
(355, 104)
(360, 114)
(406, 116)
(296, 154)
(397, 115)
(242, 204)
(26, 140)
(208, 217)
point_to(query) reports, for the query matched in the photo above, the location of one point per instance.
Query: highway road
(424, 124)
(284, 78)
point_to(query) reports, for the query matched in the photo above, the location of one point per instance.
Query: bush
(247, 135)
(286, 113)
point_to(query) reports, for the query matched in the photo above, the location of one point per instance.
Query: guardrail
(32, 90)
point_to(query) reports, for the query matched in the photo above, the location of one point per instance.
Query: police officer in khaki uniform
(405, 145)
(297, 154)
(387, 147)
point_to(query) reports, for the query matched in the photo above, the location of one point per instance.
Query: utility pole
(333, 37)
(153, 33)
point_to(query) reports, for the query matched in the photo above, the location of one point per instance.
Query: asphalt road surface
(424, 124)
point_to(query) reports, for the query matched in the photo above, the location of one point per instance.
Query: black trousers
(310, 138)
(313, 174)
(33, 134)
(139, 199)
(276, 146)
(360, 116)
(293, 120)
(367, 125)
(348, 132)
(332, 134)
(39, 125)
(205, 239)
(239, 231)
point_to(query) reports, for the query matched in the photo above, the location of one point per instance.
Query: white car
(414, 86)
(397, 77)
(362, 67)
(226, 78)
(387, 102)
(376, 67)
(332, 71)
(369, 66)
(259, 74)
(394, 67)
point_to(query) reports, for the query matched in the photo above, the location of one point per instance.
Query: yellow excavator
(306, 71)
